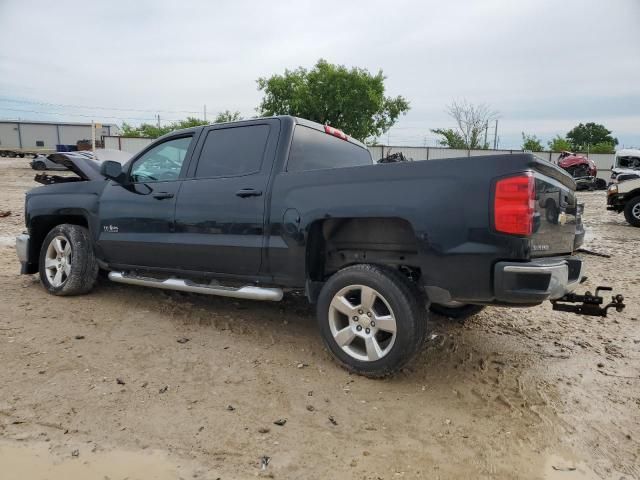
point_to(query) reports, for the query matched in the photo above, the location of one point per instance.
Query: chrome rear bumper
(537, 280)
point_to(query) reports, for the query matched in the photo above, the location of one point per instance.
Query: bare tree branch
(471, 121)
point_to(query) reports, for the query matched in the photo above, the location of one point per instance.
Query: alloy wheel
(362, 323)
(58, 261)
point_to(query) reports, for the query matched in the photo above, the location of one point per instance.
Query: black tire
(630, 206)
(39, 166)
(458, 313)
(600, 184)
(82, 272)
(406, 305)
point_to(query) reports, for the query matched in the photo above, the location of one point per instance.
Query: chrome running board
(250, 292)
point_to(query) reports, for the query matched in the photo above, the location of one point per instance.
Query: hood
(86, 164)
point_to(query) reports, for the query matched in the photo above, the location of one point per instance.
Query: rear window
(233, 151)
(315, 150)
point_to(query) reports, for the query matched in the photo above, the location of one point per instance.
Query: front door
(221, 204)
(137, 215)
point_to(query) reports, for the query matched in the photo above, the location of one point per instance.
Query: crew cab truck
(624, 196)
(252, 209)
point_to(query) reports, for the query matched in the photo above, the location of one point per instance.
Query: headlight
(613, 188)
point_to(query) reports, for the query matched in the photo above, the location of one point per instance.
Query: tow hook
(589, 304)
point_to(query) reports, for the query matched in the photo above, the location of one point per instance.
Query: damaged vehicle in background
(626, 165)
(624, 196)
(255, 208)
(583, 170)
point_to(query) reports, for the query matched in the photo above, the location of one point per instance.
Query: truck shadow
(454, 354)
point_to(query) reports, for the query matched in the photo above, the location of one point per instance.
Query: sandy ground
(141, 383)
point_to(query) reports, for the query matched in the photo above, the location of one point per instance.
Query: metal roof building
(46, 135)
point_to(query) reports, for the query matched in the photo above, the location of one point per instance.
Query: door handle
(162, 195)
(248, 192)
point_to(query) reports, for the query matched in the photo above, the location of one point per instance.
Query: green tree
(559, 144)
(532, 143)
(351, 100)
(154, 131)
(603, 147)
(585, 135)
(143, 130)
(451, 138)
(227, 116)
(471, 124)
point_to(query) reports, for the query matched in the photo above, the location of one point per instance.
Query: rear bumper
(536, 281)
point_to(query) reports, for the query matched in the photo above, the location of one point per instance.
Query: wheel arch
(336, 243)
(632, 194)
(41, 225)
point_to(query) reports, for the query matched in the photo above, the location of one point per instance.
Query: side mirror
(111, 170)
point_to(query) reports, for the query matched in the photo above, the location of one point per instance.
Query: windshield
(629, 162)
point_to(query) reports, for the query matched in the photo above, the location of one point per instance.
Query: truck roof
(628, 152)
(296, 120)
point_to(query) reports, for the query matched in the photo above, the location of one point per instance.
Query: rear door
(221, 205)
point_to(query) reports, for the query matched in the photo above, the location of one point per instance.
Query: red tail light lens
(514, 205)
(335, 132)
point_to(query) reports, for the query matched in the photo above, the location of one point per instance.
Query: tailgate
(557, 223)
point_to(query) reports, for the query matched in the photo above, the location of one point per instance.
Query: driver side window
(162, 163)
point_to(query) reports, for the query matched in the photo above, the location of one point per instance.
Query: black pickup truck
(254, 208)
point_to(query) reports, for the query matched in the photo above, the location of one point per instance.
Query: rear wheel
(632, 211)
(67, 263)
(456, 310)
(372, 319)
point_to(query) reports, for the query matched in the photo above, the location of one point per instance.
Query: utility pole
(158, 120)
(205, 112)
(93, 136)
(486, 130)
(495, 136)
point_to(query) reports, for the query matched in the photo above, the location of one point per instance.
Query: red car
(577, 165)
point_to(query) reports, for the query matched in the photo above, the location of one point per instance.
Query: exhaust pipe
(250, 292)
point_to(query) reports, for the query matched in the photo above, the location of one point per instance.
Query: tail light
(514, 204)
(335, 132)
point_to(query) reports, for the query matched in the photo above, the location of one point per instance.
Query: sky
(543, 65)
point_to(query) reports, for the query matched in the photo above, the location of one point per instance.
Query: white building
(34, 135)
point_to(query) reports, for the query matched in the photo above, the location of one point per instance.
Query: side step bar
(248, 292)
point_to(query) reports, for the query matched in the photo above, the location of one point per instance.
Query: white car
(626, 165)
(624, 196)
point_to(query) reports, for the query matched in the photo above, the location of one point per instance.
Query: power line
(96, 108)
(77, 114)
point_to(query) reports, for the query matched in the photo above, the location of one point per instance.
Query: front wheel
(67, 263)
(372, 319)
(632, 211)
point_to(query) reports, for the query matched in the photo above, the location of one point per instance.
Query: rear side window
(229, 152)
(315, 150)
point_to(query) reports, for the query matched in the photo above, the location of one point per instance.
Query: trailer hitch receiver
(589, 304)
